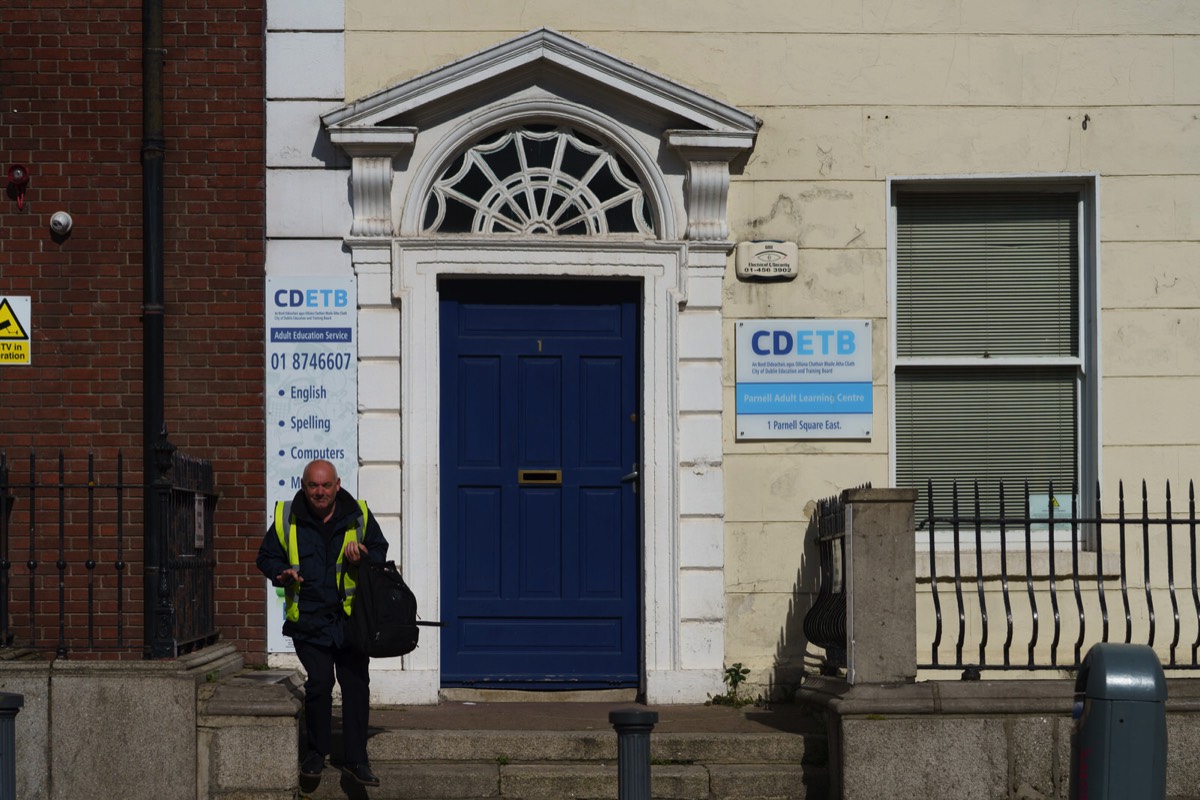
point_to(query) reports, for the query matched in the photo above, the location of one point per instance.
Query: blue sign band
(804, 398)
(314, 335)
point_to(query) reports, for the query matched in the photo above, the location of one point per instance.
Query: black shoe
(312, 765)
(361, 772)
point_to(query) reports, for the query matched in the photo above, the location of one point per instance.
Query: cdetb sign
(312, 298)
(803, 379)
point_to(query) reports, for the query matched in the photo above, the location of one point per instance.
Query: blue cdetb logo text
(803, 343)
(312, 298)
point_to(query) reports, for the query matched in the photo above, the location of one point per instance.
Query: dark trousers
(320, 663)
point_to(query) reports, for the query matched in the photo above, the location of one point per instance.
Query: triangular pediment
(546, 51)
(657, 124)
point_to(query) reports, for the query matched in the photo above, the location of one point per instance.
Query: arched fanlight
(538, 180)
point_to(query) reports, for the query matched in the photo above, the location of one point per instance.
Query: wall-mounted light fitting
(18, 179)
(60, 223)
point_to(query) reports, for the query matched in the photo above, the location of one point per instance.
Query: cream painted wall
(851, 93)
(819, 16)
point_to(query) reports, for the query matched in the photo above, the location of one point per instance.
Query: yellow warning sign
(10, 326)
(14, 330)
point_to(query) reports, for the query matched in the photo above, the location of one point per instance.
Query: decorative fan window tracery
(538, 180)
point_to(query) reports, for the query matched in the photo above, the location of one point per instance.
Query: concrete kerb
(153, 729)
(122, 720)
(248, 735)
(987, 739)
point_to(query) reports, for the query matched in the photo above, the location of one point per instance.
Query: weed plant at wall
(734, 675)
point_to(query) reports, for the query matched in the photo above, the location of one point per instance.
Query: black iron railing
(825, 622)
(190, 558)
(1031, 582)
(1053, 580)
(66, 548)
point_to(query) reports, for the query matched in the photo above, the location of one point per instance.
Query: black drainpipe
(157, 642)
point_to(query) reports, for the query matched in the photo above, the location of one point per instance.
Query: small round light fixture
(18, 179)
(60, 223)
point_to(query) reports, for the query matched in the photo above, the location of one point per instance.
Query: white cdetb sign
(312, 394)
(803, 379)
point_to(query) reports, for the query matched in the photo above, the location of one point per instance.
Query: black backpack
(383, 615)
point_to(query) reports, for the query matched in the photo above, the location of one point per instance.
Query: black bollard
(10, 704)
(633, 726)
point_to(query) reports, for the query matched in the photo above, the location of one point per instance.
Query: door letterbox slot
(544, 477)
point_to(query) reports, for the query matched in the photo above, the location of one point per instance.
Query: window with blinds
(988, 347)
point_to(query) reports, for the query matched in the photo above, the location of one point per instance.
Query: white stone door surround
(679, 143)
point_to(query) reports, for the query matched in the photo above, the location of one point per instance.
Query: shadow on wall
(795, 656)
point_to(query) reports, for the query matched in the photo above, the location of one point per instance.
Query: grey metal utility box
(10, 704)
(1119, 743)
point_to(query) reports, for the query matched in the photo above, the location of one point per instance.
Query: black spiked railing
(1046, 573)
(191, 561)
(78, 521)
(825, 622)
(983, 555)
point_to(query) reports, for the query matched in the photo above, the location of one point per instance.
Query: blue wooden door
(540, 579)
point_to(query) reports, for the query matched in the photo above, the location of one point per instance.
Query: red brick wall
(70, 109)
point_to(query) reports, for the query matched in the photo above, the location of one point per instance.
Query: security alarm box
(767, 260)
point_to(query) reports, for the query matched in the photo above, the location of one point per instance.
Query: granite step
(516, 752)
(472, 780)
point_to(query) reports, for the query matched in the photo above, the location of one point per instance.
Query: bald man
(313, 549)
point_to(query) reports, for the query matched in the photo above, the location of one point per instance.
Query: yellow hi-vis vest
(287, 540)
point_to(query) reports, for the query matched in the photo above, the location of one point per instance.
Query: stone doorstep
(530, 746)
(474, 781)
(582, 765)
(410, 781)
(596, 782)
(274, 693)
(534, 764)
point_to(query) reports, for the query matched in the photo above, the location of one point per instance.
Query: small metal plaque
(200, 522)
(767, 260)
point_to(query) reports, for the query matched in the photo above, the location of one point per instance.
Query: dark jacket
(319, 543)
